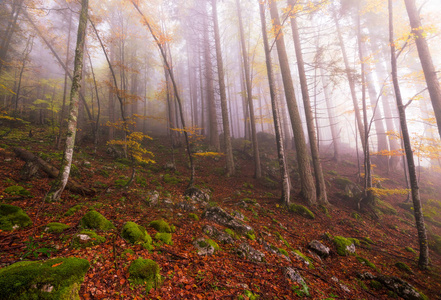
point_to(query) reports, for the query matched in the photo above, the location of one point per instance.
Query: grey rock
(214, 233)
(198, 195)
(248, 252)
(237, 214)
(185, 206)
(152, 198)
(366, 276)
(345, 288)
(221, 217)
(169, 167)
(400, 287)
(293, 275)
(319, 248)
(203, 247)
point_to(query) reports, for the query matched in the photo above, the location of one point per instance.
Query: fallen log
(33, 161)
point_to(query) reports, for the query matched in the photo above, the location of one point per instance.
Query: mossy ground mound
(145, 272)
(301, 210)
(58, 278)
(162, 226)
(56, 227)
(164, 237)
(17, 190)
(343, 245)
(136, 234)
(87, 238)
(12, 216)
(94, 220)
(71, 211)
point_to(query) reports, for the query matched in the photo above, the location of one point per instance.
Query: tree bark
(286, 188)
(320, 184)
(61, 181)
(430, 73)
(306, 179)
(223, 96)
(423, 261)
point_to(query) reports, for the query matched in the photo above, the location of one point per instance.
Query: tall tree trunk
(26, 52)
(320, 184)
(351, 81)
(284, 173)
(430, 73)
(223, 96)
(16, 8)
(306, 178)
(257, 166)
(423, 261)
(60, 183)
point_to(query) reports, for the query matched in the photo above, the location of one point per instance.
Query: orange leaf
(188, 286)
(56, 265)
(122, 281)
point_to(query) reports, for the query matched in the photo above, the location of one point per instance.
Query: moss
(28, 280)
(283, 251)
(410, 249)
(12, 216)
(367, 240)
(342, 243)
(162, 226)
(366, 262)
(94, 220)
(71, 211)
(435, 243)
(164, 237)
(16, 190)
(231, 233)
(193, 216)
(376, 285)
(251, 236)
(145, 272)
(79, 242)
(385, 208)
(56, 227)
(342, 182)
(136, 234)
(403, 267)
(355, 216)
(213, 244)
(171, 179)
(301, 210)
(283, 240)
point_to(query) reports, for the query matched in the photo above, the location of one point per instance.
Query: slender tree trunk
(97, 121)
(10, 32)
(351, 81)
(430, 73)
(306, 178)
(60, 183)
(320, 184)
(26, 53)
(418, 210)
(223, 96)
(257, 166)
(286, 187)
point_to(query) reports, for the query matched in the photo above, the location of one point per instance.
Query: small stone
(8, 159)
(319, 248)
(248, 252)
(345, 288)
(83, 237)
(293, 275)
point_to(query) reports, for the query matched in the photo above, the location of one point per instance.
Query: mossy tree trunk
(286, 187)
(418, 210)
(57, 188)
(223, 95)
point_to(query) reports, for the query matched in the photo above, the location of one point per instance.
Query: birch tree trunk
(423, 261)
(57, 188)
(223, 96)
(306, 179)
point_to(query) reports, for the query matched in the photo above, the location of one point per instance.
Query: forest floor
(386, 234)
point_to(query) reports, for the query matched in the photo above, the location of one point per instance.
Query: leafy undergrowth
(385, 239)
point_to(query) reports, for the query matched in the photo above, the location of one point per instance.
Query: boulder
(186, 206)
(400, 287)
(221, 217)
(145, 272)
(94, 220)
(344, 245)
(87, 238)
(13, 217)
(319, 248)
(196, 194)
(55, 227)
(293, 275)
(248, 252)
(58, 278)
(206, 246)
(136, 234)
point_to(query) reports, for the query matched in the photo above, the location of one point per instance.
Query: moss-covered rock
(164, 237)
(193, 216)
(87, 238)
(301, 210)
(344, 245)
(162, 226)
(94, 220)
(56, 227)
(58, 278)
(136, 234)
(410, 249)
(403, 267)
(366, 262)
(385, 207)
(303, 258)
(71, 211)
(17, 190)
(145, 272)
(12, 217)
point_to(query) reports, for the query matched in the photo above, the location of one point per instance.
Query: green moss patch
(12, 217)
(301, 210)
(231, 233)
(56, 227)
(193, 216)
(58, 278)
(162, 226)
(344, 245)
(385, 208)
(71, 211)
(136, 234)
(145, 272)
(366, 262)
(410, 249)
(403, 267)
(342, 182)
(164, 237)
(94, 220)
(16, 190)
(87, 238)
(435, 243)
